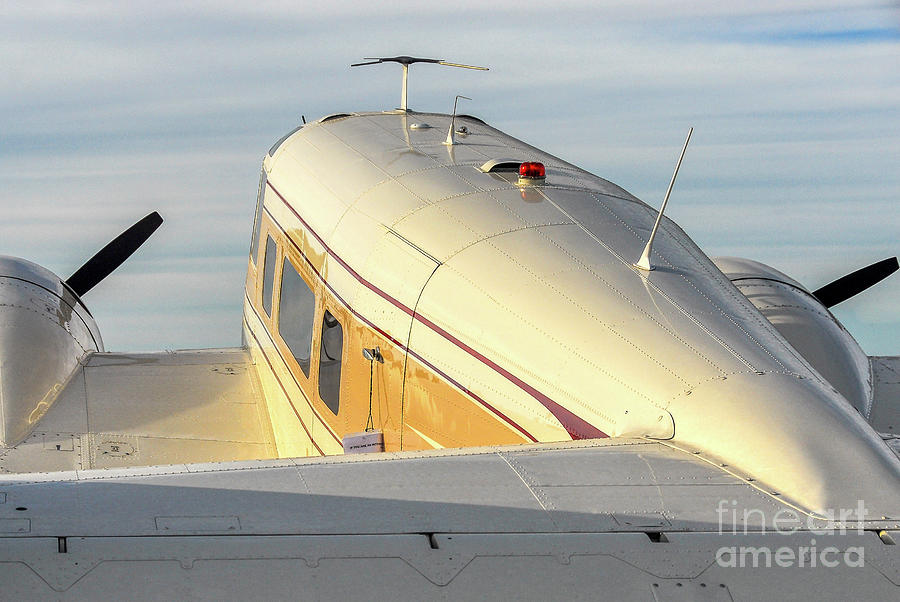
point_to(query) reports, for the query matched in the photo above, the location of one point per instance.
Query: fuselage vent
(334, 116)
(501, 166)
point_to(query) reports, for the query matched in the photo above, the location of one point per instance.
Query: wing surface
(618, 519)
(885, 415)
(138, 409)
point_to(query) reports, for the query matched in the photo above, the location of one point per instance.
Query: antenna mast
(405, 62)
(644, 262)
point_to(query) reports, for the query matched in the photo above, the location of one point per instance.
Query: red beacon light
(532, 170)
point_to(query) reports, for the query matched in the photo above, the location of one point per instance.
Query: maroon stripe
(337, 258)
(330, 288)
(577, 427)
(473, 395)
(294, 378)
(403, 347)
(288, 397)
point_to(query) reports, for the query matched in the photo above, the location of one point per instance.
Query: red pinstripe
(399, 344)
(280, 384)
(577, 427)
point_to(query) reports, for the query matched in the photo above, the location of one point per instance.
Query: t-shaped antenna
(406, 61)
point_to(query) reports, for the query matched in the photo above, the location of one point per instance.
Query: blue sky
(110, 110)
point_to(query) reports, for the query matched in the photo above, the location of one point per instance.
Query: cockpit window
(332, 347)
(269, 275)
(257, 220)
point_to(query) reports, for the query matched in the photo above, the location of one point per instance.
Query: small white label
(364, 443)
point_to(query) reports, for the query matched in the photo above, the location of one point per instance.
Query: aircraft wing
(138, 409)
(607, 519)
(885, 415)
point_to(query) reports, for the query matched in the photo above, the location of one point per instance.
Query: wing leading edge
(629, 518)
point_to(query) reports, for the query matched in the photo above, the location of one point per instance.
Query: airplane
(469, 369)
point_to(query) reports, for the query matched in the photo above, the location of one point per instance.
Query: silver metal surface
(44, 331)
(537, 281)
(677, 353)
(809, 327)
(885, 416)
(628, 519)
(138, 409)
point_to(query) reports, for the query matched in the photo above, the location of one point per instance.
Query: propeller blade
(112, 255)
(852, 284)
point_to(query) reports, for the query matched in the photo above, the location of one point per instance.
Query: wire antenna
(644, 262)
(405, 62)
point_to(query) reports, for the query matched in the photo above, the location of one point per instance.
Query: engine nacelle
(807, 325)
(45, 330)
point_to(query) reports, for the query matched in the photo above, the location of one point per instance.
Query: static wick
(644, 262)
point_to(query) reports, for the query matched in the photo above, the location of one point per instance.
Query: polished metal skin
(527, 296)
(722, 406)
(44, 331)
(140, 409)
(607, 519)
(808, 326)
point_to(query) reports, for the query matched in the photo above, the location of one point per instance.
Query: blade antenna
(450, 141)
(644, 262)
(405, 62)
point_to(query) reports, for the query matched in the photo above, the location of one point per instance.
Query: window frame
(269, 313)
(257, 218)
(321, 331)
(286, 261)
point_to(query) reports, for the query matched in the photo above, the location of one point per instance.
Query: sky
(110, 110)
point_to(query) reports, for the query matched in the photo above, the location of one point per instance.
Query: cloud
(112, 110)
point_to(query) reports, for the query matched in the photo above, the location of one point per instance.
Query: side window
(269, 275)
(257, 220)
(297, 308)
(330, 361)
